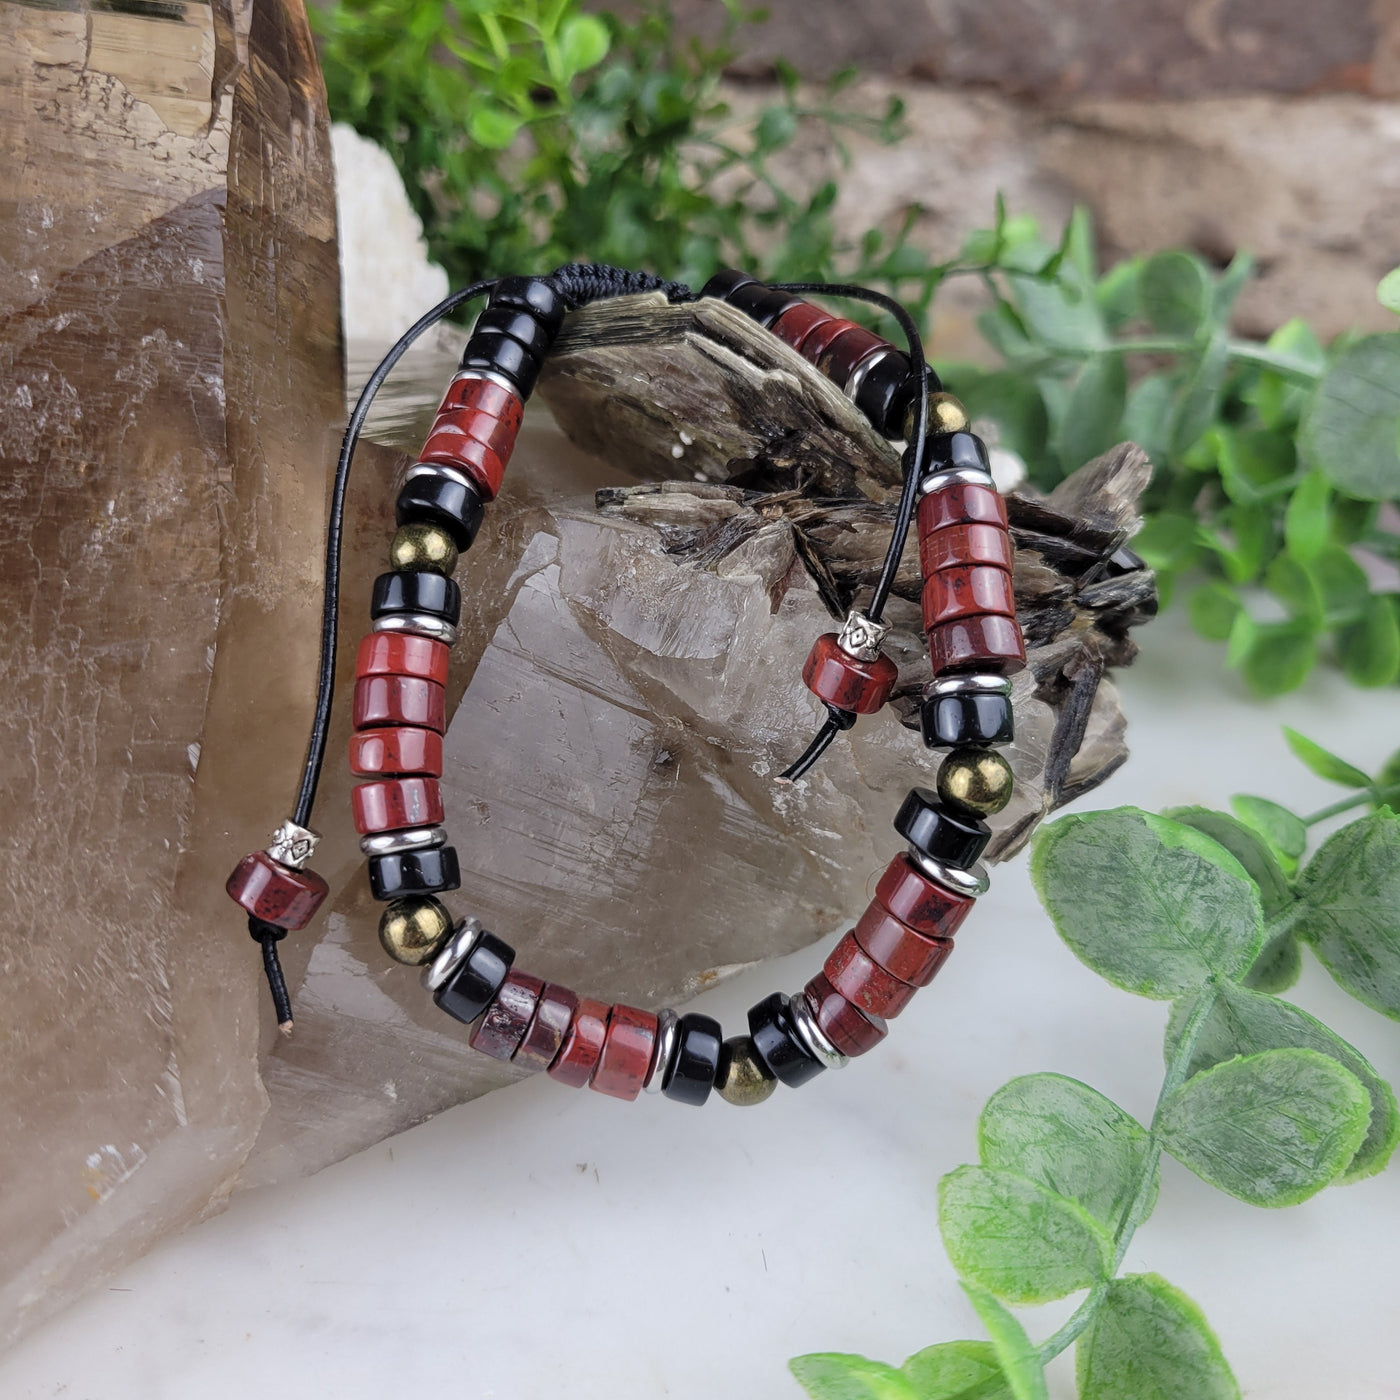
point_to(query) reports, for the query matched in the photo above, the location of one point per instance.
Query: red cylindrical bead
(403, 654)
(842, 355)
(966, 591)
(848, 1028)
(863, 982)
(989, 642)
(548, 1026)
(897, 948)
(396, 752)
(965, 544)
(798, 322)
(815, 342)
(274, 892)
(502, 1026)
(496, 433)
(382, 700)
(395, 804)
(627, 1050)
(961, 503)
(485, 466)
(914, 899)
(578, 1057)
(485, 395)
(845, 681)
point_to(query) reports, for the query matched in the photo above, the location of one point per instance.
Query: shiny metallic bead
(945, 415)
(668, 1039)
(412, 930)
(487, 374)
(742, 1078)
(970, 683)
(969, 883)
(852, 385)
(811, 1034)
(862, 638)
(977, 780)
(972, 476)
(422, 546)
(420, 624)
(292, 845)
(415, 838)
(452, 954)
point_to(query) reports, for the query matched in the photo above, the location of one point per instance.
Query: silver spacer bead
(490, 375)
(862, 638)
(292, 845)
(668, 1041)
(971, 883)
(437, 469)
(453, 954)
(935, 481)
(969, 683)
(852, 386)
(414, 838)
(420, 624)
(811, 1034)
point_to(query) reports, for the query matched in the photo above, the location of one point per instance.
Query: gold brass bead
(412, 930)
(423, 547)
(977, 780)
(742, 1078)
(945, 415)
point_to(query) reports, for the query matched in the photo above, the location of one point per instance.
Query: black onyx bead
(947, 451)
(692, 1072)
(472, 988)
(885, 393)
(532, 294)
(414, 591)
(947, 837)
(505, 356)
(441, 500)
(723, 284)
(774, 1035)
(518, 325)
(761, 303)
(414, 872)
(968, 719)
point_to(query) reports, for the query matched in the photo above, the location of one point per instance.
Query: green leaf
(775, 128)
(1271, 1128)
(1306, 522)
(1284, 832)
(1060, 315)
(1323, 763)
(1012, 402)
(1388, 291)
(1248, 848)
(1012, 1236)
(1370, 649)
(835, 1375)
(1340, 583)
(1069, 1138)
(1349, 909)
(1154, 906)
(1280, 656)
(1294, 587)
(1020, 1362)
(583, 43)
(957, 1371)
(1175, 292)
(1244, 1022)
(1149, 1341)
(1213, 608)
(1253, 461)
(1168, 541)
(493, 128)
(1279, 964)
(1351, 426)
(1094, 411)
(1147, 416)
(1199, 402)
(1230, 285)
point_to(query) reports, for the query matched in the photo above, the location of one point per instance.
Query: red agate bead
(863, 982)
(627, 1050)
(544, 1037)
(403, 654)
(953, 545)
(276, 893)
(386, 700)
(896, 947)
(396, 804)
(845, 681)
(798, 322)
(965, 592)
(845, 1025)
(961, 503)
(502, 1026)
(990, 642)
(578, 1056)
(396, 752)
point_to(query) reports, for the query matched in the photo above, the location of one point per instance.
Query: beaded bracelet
(905, 934)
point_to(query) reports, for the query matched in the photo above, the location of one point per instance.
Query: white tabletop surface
(542, 1243)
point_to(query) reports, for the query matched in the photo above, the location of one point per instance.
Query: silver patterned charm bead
(292, 845)
(936, 481)
(453, 954)
(811, 1034)
(668, 1039)
(862, 638)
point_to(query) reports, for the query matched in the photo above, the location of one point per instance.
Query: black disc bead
(534, 295)
(472, 988)
(761, 303)
(774, 1034)
(726, 282)
(503, 355)
(518, 325)
(885, 392)
(414, 872)
(441, 500)
(969, 719)
(692, 1072)
(947, 451)
(414, 591)
(951, 838)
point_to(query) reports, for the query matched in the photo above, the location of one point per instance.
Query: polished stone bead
(473, 986)
(820, 338)
(840, 679)
(989, 642)
(395, 700)
(583, 1044)
(693, 1070)
(532, 294)
(275, 893)
(520, 325)
(726, 282)
(396, 752)
(953, 721)
(411, 930)
(402, 592)
(965, 544)
(486, 396)
(977, 780)
(961, 503)
(775, 1039)
(627, 1051)
(798, 322)
(456, 507)
(761, 303)
(505, 356)
(967, 591)
(502, 1026)
(405, 873)
(885, 392)
(864, 983)
(396, 803)
(544, 1037)
(741, 1077)
(498, 434)
(949, 451)
(917, 900)
(403, 654)
(471, 442)
(839, 359)
(951, 838)
(899, 949)
(845, 1025)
